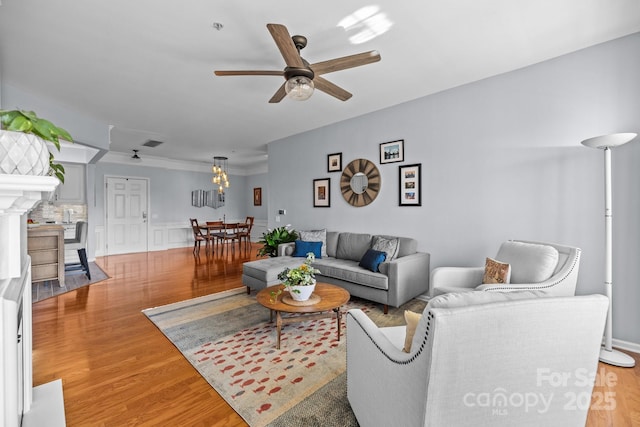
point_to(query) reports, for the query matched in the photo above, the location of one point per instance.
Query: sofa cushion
(352, 246)
(386, 245)
(332, 243)
(315, 236)
(267, 269)
(496, 272)
(530, 262)
(302, 248)
(350, 271)
(372, 259)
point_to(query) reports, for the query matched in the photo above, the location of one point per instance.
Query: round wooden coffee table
(331, 299)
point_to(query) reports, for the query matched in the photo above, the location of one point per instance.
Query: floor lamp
(607, 142)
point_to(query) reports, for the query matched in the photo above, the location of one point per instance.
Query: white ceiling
(146, 66)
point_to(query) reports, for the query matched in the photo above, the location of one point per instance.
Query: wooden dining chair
(199, 237)
(244, 232)
(214, 228)
(230, 234)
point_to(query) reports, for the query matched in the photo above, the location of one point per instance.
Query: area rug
(73, 280)
(228, 338)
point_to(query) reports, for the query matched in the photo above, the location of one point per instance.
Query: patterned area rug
(228, 338)
(74, 279)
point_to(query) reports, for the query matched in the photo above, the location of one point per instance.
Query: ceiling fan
(300, 76)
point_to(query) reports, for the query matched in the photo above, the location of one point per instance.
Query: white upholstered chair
(533, 267)
(479, 359)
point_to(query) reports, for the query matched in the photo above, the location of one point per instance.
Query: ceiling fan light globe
(299, 88)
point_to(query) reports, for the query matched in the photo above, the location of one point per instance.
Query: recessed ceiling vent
(152, 143)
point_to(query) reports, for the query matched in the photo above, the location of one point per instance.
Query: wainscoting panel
(259, 227)
(169, 236)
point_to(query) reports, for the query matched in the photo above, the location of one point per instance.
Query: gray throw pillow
(386, 245)
(315, 236)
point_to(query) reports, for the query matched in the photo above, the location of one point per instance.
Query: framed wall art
(334, 162)
(257, 196)
(391, 152)
(321, 193)
(197, 198)
(410, 185)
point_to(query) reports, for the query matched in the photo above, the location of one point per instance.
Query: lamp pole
(607, 353)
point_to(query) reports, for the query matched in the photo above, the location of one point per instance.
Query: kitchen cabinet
(45, 245)
(73, 191)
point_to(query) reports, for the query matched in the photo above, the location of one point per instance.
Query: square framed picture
(391, 152)
(257, 196)
(410, 185)
(321, 193)
(334, 162)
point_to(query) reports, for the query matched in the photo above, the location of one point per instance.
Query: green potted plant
(22, 147)
(272, 238)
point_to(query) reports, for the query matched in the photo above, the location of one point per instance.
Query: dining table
(218, 230)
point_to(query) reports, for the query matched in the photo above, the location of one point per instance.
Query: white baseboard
(626, 345)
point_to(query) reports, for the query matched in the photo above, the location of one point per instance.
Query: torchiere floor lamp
(607, 142)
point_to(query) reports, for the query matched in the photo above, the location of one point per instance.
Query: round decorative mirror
(360, 182)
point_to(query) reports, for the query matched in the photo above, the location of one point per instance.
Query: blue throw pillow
(303, 248)
(371, 260)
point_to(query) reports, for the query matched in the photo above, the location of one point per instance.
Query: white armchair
(479, 359)
(526, 259)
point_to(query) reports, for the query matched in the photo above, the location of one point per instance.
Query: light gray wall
(170, 193)
(501, 159)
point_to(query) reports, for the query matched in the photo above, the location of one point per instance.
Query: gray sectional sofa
(403, 277)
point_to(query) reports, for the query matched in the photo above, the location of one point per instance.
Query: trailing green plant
(28, 122)
(272, 238)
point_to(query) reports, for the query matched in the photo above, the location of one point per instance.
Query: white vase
(23, 154)
(304, 292)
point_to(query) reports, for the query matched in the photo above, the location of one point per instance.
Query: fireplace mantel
(19, 194)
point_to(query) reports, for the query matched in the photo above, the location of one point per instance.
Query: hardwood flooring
(118, 369)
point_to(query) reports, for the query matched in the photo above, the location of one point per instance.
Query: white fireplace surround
(20, 403)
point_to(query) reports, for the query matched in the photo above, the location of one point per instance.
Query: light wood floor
(118, 369)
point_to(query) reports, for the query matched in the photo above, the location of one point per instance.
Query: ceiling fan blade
(345, 62)
(249, 73)
(279, 95)
(329, 88)
(283, 40)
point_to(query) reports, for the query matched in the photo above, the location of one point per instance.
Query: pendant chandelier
(220, 173)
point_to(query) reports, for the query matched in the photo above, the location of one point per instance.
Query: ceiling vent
(152, 143)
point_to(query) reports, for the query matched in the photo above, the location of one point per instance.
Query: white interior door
(126, 215)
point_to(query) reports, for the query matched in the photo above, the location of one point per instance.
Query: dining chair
(244, 232)
(79, 242)
(214, 229)
(230, 234)
(199, 237)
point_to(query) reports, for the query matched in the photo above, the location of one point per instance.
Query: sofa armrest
(408, 277)
(455, 277)
(286, 249)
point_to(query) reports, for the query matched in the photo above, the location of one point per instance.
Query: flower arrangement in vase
(300, 281)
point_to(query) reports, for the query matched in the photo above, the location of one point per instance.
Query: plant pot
(23, 154)
(304, 292)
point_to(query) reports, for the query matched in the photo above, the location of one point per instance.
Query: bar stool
(79, 243)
